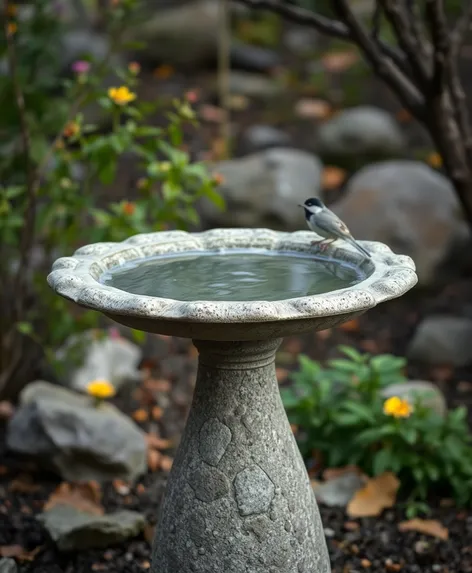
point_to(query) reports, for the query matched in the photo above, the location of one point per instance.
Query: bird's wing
(332, 224)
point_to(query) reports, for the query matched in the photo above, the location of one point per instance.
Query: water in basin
(233, 275)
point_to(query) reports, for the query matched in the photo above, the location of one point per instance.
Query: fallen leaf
(24, 483)
(157, 413)
(140, 415)
(350, 326)
(339, 61)
(149, 532)
(427, 526)
(157, 385)
(404, 116)
(282, 374)
(211, 113)
(434, 160)
(332, 177)
(6, 410)
(379, 493)
(153, 459)
(158, 443)
(333, 473)
(19, 552)
(163, 72)
(166, 463)
(83, 497)
(313, 108)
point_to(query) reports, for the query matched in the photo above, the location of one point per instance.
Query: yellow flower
(435, 160)
(100, 389)
(397, 407)
(121, 95)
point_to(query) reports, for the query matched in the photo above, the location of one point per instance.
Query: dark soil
(373, 544)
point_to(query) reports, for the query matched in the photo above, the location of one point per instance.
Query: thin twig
(376, 20)
(437, 23)
(385, 68)
(399, 18)
(328, 26)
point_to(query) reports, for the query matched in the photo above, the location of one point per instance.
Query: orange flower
(435, 160)
(71, 129)
(397, 407)
(218, 178)
(11, 28)
(128, 208)
(121, 95)
(134, 68)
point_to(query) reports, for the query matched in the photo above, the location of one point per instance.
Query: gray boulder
(426, 393)
(263, 189)
(442, 340)
(259, 137)
(8, 565)
(338, 491)
(74, 530)
(361, 131)
(408, 206)
(179, 35)
(81, 441)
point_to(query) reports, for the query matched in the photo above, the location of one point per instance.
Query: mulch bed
(369, 544)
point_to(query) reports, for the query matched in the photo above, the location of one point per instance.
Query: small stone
(329, 532)
(254, 491)
(214, 439)
(8, 565)
(338, 491)
(259, 137)
(442, 340)
(209, 484)
(74, 530)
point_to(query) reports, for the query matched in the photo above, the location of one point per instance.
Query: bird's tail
(360, 248)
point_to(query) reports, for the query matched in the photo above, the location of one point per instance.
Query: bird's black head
(313, 202)
(309, 204)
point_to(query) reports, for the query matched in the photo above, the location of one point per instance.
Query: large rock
(442, 340)
(259, 137)
(179, 35)
(426, 393)
(408, 206)
(112, 359)
(74, 530)
(361, 131)
(81, 442)
(263, 189)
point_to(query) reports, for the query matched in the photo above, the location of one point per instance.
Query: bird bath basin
(238, 498)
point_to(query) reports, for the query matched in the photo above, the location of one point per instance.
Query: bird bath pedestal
(238, 498)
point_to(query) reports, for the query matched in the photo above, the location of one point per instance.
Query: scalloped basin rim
(77, 278)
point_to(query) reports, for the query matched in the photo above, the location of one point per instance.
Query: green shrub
(45, 203)
(342, 415)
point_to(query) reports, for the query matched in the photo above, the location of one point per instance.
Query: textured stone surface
(82, 442)
(214, 439)
(73, 530)
(267, 520)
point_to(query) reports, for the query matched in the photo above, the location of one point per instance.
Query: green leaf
(352, 353)
(25, 328)
(215, 197)
(382, 461)
(289, 398)
(361, 410)
(138, 336)
(345, 365)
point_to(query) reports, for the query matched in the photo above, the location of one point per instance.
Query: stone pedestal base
(238, 498)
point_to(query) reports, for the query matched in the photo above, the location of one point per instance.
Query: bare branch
(376, 20)
(437, 23)
(400, 20)
(384, 66)
(328, 26)
(461, 28)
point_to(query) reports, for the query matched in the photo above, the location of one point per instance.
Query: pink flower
(80, 67)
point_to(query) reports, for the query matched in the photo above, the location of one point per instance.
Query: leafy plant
(342, 415)
(53, 159)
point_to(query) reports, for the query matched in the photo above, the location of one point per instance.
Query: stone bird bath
(238, 498)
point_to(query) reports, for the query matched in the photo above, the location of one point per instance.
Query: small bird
(325, 223)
